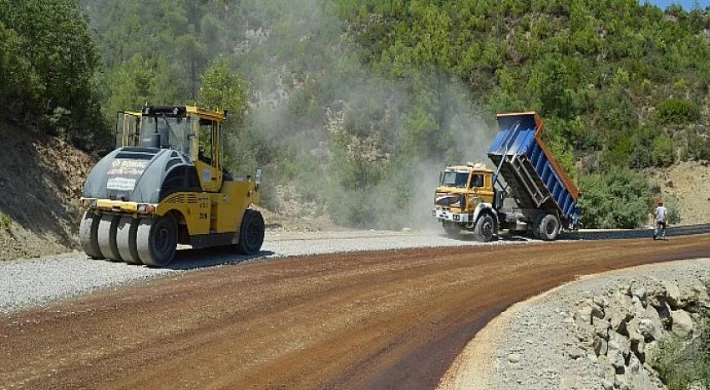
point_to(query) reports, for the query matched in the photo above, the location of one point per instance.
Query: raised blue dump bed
(525, 164)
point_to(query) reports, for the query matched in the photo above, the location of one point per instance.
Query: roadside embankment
(41, 179)
(601, 332)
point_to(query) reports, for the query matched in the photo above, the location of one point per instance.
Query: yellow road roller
(170, 188)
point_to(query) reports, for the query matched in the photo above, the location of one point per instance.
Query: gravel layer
(526, 346)
(27, 283)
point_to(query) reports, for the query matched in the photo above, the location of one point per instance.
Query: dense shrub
(663, 153)
(616, 113)
(20, 85)
(621, 199)
(622, 153)
(698, 147)
(677, 111)
(673, 205)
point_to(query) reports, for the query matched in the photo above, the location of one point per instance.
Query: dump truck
(525, 192)
(128, 125)
(171, 188)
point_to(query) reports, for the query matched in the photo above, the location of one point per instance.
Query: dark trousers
(660, 230)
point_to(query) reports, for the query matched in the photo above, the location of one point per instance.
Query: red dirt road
(350, 321)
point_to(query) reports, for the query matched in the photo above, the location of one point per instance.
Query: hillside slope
(40, 183)
(349, 102)
(689, 182)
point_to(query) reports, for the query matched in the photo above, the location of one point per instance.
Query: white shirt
(661, 213)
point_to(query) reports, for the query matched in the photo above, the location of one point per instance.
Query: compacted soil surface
(379, 319)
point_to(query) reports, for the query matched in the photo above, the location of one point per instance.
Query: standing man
(661, 221)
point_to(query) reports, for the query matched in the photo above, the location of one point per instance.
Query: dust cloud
(309, 88)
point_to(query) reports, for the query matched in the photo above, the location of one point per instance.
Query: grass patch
(5, 221)
(683, 363)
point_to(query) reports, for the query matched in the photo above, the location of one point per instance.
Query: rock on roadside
(561, 341)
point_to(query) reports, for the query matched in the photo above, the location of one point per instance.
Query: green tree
(411, 80)
(224, 89)
(51, 63)
(193, 56)
(132, 85)
(21, 86)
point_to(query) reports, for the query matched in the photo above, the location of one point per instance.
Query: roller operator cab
(128, 126)
(526, 191)
(169, 188)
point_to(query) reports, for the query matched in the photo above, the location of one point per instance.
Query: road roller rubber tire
(251, 233)
(156, 240)
(88, 235)
(107, 237)
(126, 240)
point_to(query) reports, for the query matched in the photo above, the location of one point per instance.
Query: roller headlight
(145, 208)
(88, 203)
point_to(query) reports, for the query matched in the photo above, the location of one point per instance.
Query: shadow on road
(190, 259)
(504, 236)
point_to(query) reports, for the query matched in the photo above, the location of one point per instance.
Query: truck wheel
(548, 228)
(451, 229)
(251, 233)
(536, 226)
(88, 235)
(156, 240)
(484, 228)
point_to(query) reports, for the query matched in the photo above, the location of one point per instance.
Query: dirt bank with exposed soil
(41, 179)
(689, 182)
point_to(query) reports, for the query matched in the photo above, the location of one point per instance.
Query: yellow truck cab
(463, 192)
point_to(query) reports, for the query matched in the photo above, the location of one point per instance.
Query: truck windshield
(454, 179)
